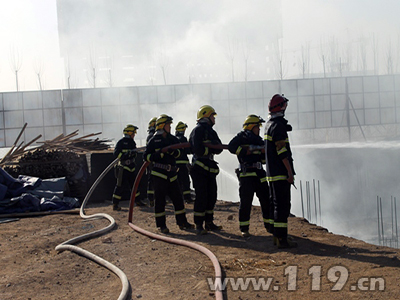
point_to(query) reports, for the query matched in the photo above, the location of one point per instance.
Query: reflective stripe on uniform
(283, 150)
(182, 162)
(210, 212)
(199, 214)
(211, 170)
(179, 212)
(129, 169)
(150, 192)
(238, 150)
(264, 179)
(173, 178)
(186, 192)
(116, 196)
(268, 221)
(268, 138)
(244, 223)
(161, 214)
(276, 178)
(158, 174)
(250, 174)
(280, 225)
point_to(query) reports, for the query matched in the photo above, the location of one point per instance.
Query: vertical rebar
(395, 217)
(315, 203)
(379, 226)
(383, 230)
(308, 201)
(301, 195)
(392, 216)
(319, 203)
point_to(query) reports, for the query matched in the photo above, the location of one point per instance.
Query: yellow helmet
(251, 121)
(205, 112)
(152, 122)
(181, 126)
(130, 128)
(162, 120)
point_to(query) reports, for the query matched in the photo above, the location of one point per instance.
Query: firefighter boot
(284, 243)
(163, 229)
(210, 226)
(200, 229)
(186, 226)
(245, 233)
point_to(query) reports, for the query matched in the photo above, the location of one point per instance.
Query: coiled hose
(204, 250)
(68, 245)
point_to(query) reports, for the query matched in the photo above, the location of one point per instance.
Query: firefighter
(150, 190)
(182, 162)
(280, 171)
(164, 174)
(250, 151)
(125, 169)
(204, 169)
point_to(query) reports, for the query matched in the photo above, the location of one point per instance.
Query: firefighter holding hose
(125, 169)
(249, 149)
(150, 189)
(182, 162)
(164, 174)
(205, 169)
(280, 171)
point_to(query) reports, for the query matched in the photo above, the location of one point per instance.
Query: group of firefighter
(169, 170)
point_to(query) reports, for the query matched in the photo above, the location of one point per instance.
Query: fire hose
(68, 245)
(204, 250)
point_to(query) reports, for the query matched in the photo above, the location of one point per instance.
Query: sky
(29, 33)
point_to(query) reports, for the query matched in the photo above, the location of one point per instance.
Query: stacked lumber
(67, 143)
(63, 156)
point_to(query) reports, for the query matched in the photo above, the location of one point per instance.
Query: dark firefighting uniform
(252, 177)
(182, 163)
(276, 130)
(165, 178)
(150, 188)
(125, 169)
(204, 171)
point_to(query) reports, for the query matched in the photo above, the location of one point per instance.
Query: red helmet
(276, 103)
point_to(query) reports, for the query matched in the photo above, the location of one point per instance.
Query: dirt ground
(324, 266)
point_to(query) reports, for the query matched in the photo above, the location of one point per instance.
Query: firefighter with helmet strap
(204, 169)
(125, 169)
(182, 162)
(164, 174)
(249, 149)
(150, 189)
(279, 167)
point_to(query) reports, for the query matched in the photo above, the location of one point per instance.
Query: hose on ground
(204, 250)
(68, 244)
